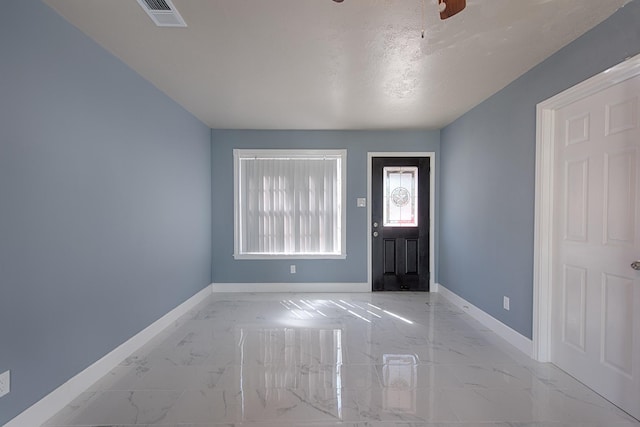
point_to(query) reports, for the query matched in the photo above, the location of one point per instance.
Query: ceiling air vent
(163, 13)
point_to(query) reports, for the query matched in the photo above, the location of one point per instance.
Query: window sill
(287, 256)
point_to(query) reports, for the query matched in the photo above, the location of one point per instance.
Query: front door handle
(635, 265)
(375, 234)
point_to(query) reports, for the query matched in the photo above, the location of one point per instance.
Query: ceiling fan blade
(451, 7)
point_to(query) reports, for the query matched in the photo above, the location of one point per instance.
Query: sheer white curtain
(290, 205)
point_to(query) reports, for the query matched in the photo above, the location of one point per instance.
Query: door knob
(375, 234)
(635, 265)
(375, 225)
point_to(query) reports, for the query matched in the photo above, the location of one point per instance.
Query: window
(400, 187)
(289, 203)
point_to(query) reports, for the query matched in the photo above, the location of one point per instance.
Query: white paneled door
(596, 291)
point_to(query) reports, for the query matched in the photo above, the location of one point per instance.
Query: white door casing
(587, 296)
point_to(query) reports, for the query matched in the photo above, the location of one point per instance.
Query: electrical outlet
(292, 269)
(5, 383)
(505, 303)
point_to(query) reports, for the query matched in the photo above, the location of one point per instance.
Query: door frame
(544, 234)
(431, 155)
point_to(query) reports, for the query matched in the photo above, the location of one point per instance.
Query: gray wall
(357, 143)
(105, 203)
(488, 174)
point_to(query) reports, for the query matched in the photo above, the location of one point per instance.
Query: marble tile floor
(320, 360)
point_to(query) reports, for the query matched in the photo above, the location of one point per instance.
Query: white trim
(432, 208)
(290, 256)
(513, 337)
(543, 234)
(55, 401)
(291, 287)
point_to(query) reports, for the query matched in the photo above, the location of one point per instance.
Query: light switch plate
(361, 202)
(5, 383)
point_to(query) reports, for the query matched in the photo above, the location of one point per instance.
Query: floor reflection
(351, 360)
(399, 381)
(309, 309)
(310, 359)
(280, 359)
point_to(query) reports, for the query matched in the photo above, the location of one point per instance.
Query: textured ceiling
(317, 64)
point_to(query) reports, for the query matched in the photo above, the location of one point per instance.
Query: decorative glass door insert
(400, 189)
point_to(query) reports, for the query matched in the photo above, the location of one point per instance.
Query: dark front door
(400, 223)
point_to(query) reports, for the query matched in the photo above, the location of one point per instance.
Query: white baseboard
(513, 337)
(291, 287)
(55, 401)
